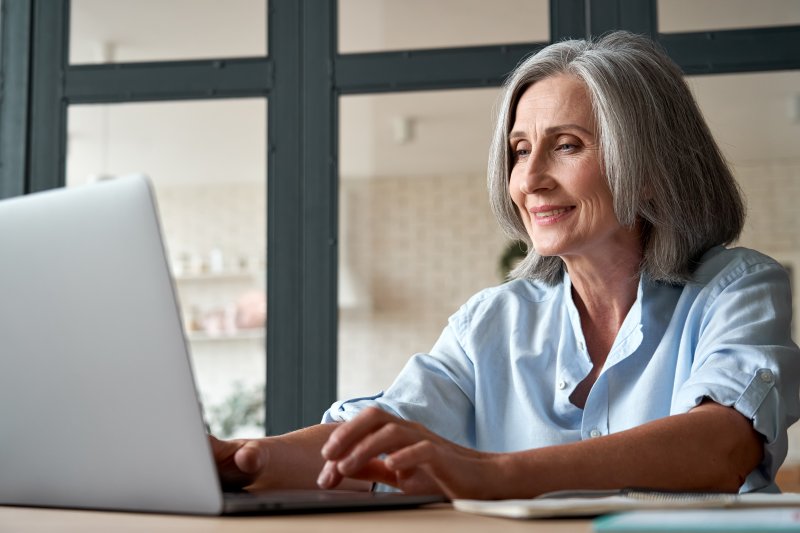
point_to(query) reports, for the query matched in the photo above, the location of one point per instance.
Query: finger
(375, 471)
(230, 476)
(389, 438)
(252, 457)
(417, 467)
(222, 448)
(329, 477)
(238, 461)
(349, 433)
(412, 456)
(425, 467)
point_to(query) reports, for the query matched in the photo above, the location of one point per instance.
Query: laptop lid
(98, 407)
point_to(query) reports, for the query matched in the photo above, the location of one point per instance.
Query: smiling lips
(547, 214)
(550, 213)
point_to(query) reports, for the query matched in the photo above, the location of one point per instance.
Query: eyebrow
(551, 130)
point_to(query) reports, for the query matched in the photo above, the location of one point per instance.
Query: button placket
(595, 412)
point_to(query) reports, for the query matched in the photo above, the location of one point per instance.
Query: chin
(547, 251)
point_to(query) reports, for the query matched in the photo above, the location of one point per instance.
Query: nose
(534, 174)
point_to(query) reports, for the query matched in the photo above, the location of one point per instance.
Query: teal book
(701, 521)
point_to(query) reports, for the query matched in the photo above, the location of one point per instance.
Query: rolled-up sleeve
(745, 359)
(434, 389)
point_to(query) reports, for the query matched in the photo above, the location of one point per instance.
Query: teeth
(545, 214)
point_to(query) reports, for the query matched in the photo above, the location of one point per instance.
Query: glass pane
(373, 25)
(207, 162)
(117, 31)
(417, 237)
(699, 15)
(756, 120)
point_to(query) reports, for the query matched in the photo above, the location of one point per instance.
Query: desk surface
(439, 518)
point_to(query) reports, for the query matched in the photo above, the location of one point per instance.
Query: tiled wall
(414, 249)
(231, 218)
(199, 218)
(773, 192)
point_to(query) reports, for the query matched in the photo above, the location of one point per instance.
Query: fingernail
(324, 478)
(326, 450)
(329, 448)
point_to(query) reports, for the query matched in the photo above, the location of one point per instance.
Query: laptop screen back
(98, 407)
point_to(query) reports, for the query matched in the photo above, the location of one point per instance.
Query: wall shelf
(216, 277)
(240, 335)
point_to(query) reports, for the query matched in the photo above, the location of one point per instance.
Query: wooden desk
(438, 519)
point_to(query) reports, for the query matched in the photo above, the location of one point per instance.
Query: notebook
(600, 502)
(98, 407)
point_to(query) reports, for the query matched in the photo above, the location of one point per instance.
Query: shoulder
(738, 277)
(505, 303)
(720, 266)
(520, 291)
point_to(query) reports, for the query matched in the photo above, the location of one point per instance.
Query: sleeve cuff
(744, 392)
(348, 409)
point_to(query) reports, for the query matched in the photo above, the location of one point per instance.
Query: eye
(520, 151)
(566, 147)
(566, 144)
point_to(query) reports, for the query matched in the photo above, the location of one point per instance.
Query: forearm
(710, 448)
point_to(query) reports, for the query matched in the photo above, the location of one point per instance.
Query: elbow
(730, 481)
(741, 455)
(732, 448)
(745, 460)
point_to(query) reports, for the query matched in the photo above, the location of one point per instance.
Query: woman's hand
(241, 462)
(379, 447)
(290, 461)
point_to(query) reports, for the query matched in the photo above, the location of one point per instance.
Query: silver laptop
(98, 407)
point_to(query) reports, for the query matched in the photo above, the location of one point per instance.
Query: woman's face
(556, 180)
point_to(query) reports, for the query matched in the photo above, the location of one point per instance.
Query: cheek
(593, 185)
(514, 191)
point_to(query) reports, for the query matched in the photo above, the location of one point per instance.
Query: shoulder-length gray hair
(662, 165)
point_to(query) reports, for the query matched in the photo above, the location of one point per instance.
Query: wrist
(515, 476)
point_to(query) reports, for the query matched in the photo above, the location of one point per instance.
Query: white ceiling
(447, 131)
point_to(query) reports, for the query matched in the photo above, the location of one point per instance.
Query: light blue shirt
(500, 376)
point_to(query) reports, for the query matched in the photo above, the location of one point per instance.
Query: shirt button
(562, 385)
(581, 347)
(766, 376)
(595, 433)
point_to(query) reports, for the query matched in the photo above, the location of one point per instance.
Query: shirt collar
(629, 336)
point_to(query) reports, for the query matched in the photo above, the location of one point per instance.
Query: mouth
(551, 212)
(546, 215)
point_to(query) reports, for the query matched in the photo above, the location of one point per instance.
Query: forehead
(555, 98)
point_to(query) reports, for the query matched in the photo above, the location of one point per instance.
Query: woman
(632, 349)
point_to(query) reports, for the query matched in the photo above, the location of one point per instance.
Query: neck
(604, 290)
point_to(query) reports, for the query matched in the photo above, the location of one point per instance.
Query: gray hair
(663, 168)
